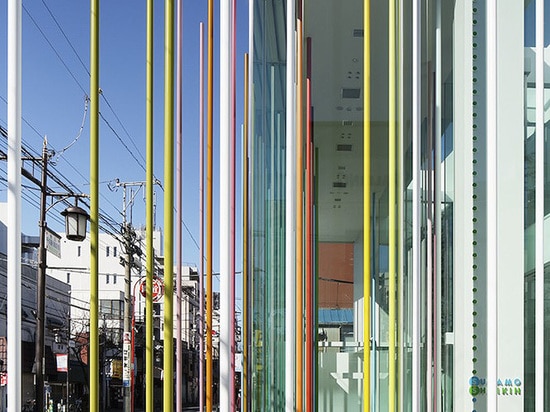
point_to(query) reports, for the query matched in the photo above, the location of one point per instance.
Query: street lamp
(75, 219)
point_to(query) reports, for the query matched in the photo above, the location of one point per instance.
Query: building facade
(395, 251)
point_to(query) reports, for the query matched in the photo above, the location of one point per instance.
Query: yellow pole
(94, 205)
(392, 243)
(366, 209)
(399, 225)
(245, 240)
(209, 174)
(299, 224)
(149, 382)
(168, 388)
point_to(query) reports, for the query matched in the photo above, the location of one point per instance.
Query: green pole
(94, 205)
(149, 271)
(168, 203)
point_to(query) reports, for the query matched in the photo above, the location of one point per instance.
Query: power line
(54, 49)
(66, 37)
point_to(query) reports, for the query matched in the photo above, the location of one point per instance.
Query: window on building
(114, 278)
(107, 278)
(114, 251)
(107, 251)
(111, 309)
(68, 277)
(78, 250)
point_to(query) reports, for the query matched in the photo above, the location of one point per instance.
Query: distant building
(56, 322)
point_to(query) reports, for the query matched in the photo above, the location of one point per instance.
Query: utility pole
(39, 362)
(75, 230)
(130, 249)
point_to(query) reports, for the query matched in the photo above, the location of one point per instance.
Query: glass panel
(267, 251)
(337, 74)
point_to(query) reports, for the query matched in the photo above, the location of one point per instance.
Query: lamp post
(75, 221)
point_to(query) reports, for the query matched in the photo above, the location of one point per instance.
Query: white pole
(539, 210)
(290, 264)
(492, 266)
(225, 213)
(416, 275)
(14, 205)
(437, 209)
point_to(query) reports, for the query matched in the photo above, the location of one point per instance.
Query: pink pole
(201, 219)
(179, 29)
(233, 149)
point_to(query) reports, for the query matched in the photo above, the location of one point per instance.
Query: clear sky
(56, 80)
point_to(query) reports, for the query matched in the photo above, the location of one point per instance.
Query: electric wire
(88, 72)
(53, 48)
(66, 37)
(58, 55)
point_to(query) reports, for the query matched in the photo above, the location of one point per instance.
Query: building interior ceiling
(337, 70)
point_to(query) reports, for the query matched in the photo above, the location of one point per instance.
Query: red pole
(310, 339)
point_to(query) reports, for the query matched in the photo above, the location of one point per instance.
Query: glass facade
(417, 232)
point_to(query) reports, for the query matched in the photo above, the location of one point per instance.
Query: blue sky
(55, 83)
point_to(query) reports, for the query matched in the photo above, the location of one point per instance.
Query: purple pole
(201, 217)
(179, 29)
(233, 149)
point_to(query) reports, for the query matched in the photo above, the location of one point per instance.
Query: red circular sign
(158, 289)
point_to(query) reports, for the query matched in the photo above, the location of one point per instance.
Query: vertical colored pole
(539, 209)
(400, 190)
(179, 171)
(94, 205)
(366, 211)
(168, 364)
(416, 225)
(299, 224)
(233, 199)
(437, 211)
(225, 208)
(290, 209)
(201, 219)
(392, 231)
(310, 335)
(149, 223)
(209, 176)
(14, 204)
(245, 242)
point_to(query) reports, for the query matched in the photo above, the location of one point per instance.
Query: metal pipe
(299, 223)
(14, 204)
(149, 216)
(310, 335)
(392, 230)
(416, 194)
(539, 209)
(438, 367)
(209, 193)
(94, 206)
(245, 241)
(366, 211)
(179, 171)
(225, 201)
(290, 206)
(201, 219)
(232, 200)
(168, 347)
